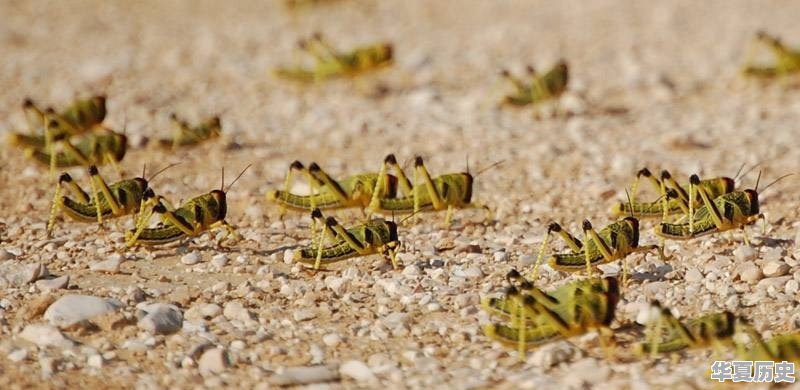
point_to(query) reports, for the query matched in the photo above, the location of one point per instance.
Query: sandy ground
(653, 84)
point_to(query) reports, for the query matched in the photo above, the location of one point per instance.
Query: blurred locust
(666, 334)
(87, 150)
(335, 243)
(537, 318)
(192, 218)
(80, 117)
(187, 135)
(537, 88)
(331, 62)
(787, 61)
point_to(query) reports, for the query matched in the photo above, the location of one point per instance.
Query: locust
(331, 63)
(734, 210)
(90, 149)
(188, 135)
(783, 347)
(674, 197)
(335, 243)
(445, 192)
(80, 117)
(194, 217)
(614, 242)
(787, 61)
(119, 199)
(537, 88)
(327, 193)
(667, 334)
(538, 318)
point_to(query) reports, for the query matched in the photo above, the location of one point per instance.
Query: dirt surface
(652, 84)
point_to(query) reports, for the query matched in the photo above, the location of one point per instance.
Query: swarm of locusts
(529, 316)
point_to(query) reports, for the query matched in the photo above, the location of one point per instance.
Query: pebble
(744, 253)
(159, 318)
(71, 309)
(234, 310)
(526, 260)
(288, 256)
(357, 370)
(191, 258)
(335, 284)
(219, 260)
(588, 371)
(53, 284)
(500, 257)
(6, 255)
(473, 273)
(27, 273)
(792, 287)
(332, 339)
(44, 335)
(693, 275)
(553, 354)
(775, 268)
(750, 273)
(396, 320)
(18, 355)
(111, 266)
(214, 361)
(293, 376)
(303, 315)
(95, 361)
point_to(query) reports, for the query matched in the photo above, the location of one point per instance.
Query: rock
(219, 260)
(95, 361)
(6, 255)
(214, 361)
(71, 309)
(161, 318)
(473, 273)
(335, 284)
(693, 275)
(191, 258)
(288, 256)
(553, 354)
(303, 314)
(792, 287)
(53, 284)
(44, 335)
(235, 311)
(112, 265)
(744, 253)
(395, 320)
(775, 268)
(17, 355)
(294, 376)
(357, 370)
(332, 339)
(749, 273)
(27, 273)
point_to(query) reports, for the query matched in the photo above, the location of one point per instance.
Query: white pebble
(219, 260)
(45, 336)
(18, 355)
(744, 253)
(213, 361)
(191, 258)
(775, 268)
(357, 370)
(95, 361)
(332, 339)
(303, 314)
(53, 284)
(112, 265)
(288, 256)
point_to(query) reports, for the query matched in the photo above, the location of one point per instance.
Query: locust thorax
(468, 179)
(752, 197)
(222, 204)
(634, 224)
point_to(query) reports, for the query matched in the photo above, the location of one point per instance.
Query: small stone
(210, 310)
(500, 257)
(6, 255)
(473, 273)
(191, 258)
(553, 354)
(288, 256)
(219, 260)
(213, 361)
(235, 311)
(111, 266)
(71, 309)
(744, 253)
(335, 284)
(161, 318)
(332, 339)
(18, 355)
(750, 273)
(396, 320)
(792, 287)
(53, 284)
(294, 376)
(775, 268)
(25, 274)
(95, 361)
(693, 275)
(526, 260)
(44, 335)
(357, 370)
(303, 315)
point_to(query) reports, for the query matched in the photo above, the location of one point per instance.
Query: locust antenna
(237, 177)
(160, 171)
(493, 165)
(758, 179)
(775, 181)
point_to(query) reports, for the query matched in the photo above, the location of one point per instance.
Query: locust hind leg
(600, 244)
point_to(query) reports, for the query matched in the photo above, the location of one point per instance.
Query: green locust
(537, 88)
(331, 63)
(787, 61)
(188, 135)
